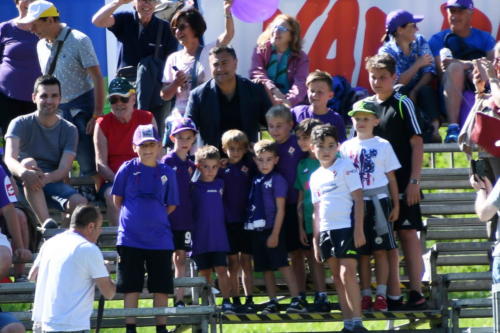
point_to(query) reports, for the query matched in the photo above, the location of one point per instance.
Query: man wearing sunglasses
(113, 138)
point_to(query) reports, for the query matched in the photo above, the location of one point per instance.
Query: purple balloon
(252, 11)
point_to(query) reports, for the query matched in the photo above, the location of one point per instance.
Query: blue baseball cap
(464, 4)
(145, 133)
(400, 17)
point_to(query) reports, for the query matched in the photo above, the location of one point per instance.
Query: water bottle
(445, 53)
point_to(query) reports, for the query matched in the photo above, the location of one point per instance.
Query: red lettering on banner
(479, 20)
(374, 31)
(309, 12)
(340, 27)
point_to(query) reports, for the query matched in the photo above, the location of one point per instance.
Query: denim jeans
(78, 112)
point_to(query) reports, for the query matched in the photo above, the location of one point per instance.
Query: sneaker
(395, 305)
(366, 303)
(359, 329)
(271, 307)
(248, 307)
(416, 301)
(380, 303)
(22, 278)
(179, 304)
(345, 330)
(296, 306)
(50, 224)
(321, 303)
(227, 308)
(452, 133)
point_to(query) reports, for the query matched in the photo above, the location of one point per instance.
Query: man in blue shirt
(455, 70)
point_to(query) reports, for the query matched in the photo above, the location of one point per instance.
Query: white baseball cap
(38, 9)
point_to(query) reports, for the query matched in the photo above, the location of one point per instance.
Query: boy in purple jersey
(237, 176)
(210, 244)
(183, 135)
(280, 123)
(266, 218)
(145, 192)
(319, 92)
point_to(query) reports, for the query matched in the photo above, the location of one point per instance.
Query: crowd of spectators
(242, 199)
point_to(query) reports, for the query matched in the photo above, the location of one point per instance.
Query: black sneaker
(321, 303)
(296, 306)
(50, 224)
(180, 304)
(395, 305)
(359, 329)
(271, 307)
(248, 307)
(227, 308)
(345, 330)
(416, 301)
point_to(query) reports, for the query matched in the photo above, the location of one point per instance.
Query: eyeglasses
(116, 99)
(281, 28)
(182, 26)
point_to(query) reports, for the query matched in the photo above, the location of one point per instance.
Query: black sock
(226, 300)
(249, 298)
(131, 328)
(236, 301)
(161, 328)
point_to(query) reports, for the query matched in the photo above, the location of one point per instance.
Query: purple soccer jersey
(209, 230)
(302, 112)
(7, 194)
(290, 155)
(182, 217)
(275, 187)
(237, 181)
(146, 192)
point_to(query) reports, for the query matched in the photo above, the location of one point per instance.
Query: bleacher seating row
(453, 237)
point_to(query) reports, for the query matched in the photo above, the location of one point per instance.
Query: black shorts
(291, 228)
(134, 262)
(338, 243)
(373, 241)
(409, 217)
(182, 240)
(239, 238)
(210, 260)
(266, 258)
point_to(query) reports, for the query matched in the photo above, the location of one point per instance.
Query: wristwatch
(414, 181)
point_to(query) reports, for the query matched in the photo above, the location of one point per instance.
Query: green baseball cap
(121, 87)
(365, 106)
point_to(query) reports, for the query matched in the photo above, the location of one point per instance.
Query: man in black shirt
(228, 101)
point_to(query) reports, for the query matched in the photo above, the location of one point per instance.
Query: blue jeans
(495, 270)
(85, 155)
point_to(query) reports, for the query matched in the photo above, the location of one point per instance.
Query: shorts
(266, 258)
(291, 229)
(409, 217)
(102, 190)
(5, 242)
(338, 243)
(134, 262)
(6, 319)
(210, 260)
(373, 241)
(182, 240)
(239, 239)
(56, 194)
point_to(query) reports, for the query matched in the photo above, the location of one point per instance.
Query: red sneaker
(366, 303)
(380, 303)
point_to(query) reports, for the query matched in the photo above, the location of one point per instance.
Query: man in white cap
(69, 55)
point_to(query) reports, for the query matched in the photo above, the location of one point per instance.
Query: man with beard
(39, 151)
(228, 101)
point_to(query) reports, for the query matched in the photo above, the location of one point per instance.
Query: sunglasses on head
(115, 99)
(281, 28)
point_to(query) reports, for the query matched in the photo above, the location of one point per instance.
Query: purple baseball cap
(145, 133)
(464, 4)
(182, 124)
(400, 17)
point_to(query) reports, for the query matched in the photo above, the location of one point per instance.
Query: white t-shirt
(67, 266)
(185, 63)
(332, 188)
(373, 158)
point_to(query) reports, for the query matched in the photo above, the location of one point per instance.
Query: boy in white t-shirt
(335, 188)
(376, 162)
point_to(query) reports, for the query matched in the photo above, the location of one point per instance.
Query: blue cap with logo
(464, 4)
(400, 17)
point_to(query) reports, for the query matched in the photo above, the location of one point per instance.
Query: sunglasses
(281, 28)
(115, 99)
